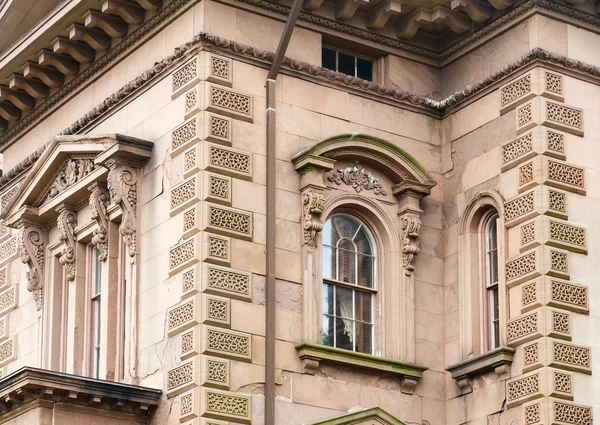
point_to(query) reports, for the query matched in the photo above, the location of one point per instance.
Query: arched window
(492, 309)
(348, 285)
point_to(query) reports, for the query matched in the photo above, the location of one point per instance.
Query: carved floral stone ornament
(313, 206)
(67, 220)
(358, 178)
(122, 187)
(72, 171)
(99, 200)
(32, 243)
(411, 226)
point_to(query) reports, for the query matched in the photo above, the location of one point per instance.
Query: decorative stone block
(554, 292)
(541, 261)
(189, 343)
(216, 310)
(226, 343)
(187, 134)
(228, 161)
(555, 203)
(557, 263)
(532, 355)
(549, 113)
(229, 102)
(190, 281)
(192, 161)
(534, 412)
(539, 140)
(525, 388)
(524, 328)
(525, 87)
(185, 194)
(527, 117)
(192, 220)
(553, 86)
(184, 255)
(567, 413)
(183, 316)
(568, 356)
(560, 384)
(217, 188)
(218, 129)
(564, 176)
(530, 296)
(8, 300)
(219, 70)
(184, 77)
(529, 174)
(4, 276)
(227, 282)
(8, 250)
(8, 351)
(522, 208)
(8, 195)
(228, 221)
(183, 377)
(226, 405)
(3, 328)
(530, 234)
(558, 324)
(552, 232)
(215, 372)
(189, 405)
(217, 249)
(192, 101)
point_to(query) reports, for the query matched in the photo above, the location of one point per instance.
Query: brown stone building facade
(421, 247)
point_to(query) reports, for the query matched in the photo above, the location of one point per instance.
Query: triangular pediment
(373, 416)
(62, 174)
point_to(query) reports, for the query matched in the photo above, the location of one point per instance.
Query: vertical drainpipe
(271, 178)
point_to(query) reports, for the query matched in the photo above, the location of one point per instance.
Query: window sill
(498, 360)
(313, 354)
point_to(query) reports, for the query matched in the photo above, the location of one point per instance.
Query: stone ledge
(313, 354)
(497, 360)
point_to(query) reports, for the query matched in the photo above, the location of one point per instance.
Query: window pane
(344, 334)
(364, 69)
(97, 271)
(328, 58)
(343, 302)
(328, 331)
(363, 311)
(364, 338)
(327, 299)
(365, 271)
(346, 262)
(346, 63)
(329, 264)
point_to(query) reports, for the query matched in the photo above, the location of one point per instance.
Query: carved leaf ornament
(72, 171)
(358, 178)
(31, 251)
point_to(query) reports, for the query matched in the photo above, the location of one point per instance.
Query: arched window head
(349, 284)
(492, 303)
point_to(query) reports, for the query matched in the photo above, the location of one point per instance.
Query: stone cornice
(28, 385)
(483, 363)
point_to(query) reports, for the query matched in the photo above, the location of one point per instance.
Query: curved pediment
(373, 416)
(394, 162)
(67, 166)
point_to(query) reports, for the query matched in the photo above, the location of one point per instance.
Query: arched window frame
(490, 286)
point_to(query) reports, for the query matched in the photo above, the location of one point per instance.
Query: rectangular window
(492, 282)
(347, 63)
(95, 299)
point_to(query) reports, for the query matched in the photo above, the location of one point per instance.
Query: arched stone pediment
(373, 416)
(394, 162)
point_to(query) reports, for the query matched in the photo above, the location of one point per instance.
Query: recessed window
(348, 285)
(491, 272)
(96, 316)
(347, 63)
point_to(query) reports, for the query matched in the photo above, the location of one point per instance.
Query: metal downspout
(271, 178)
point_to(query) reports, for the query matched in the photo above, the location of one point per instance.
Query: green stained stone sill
(483, 363)
(322, 353)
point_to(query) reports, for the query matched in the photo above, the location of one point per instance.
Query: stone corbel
(409, 196)
(122, 187)
(32, 251)
(99, 200)
(66, 223)
(313, 206)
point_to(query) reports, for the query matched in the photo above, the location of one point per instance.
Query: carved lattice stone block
(564, 176)
(218, 249)
(216, 310)
(184, 255)
(189, 405)
(522, 268)
(8, 351)
(218, 129)
(4, 276)
(524, 388)
(524, 328)
(521, 208)
(228, 221)
(189, 343)
(532, 356)
(8, 250)
(532, 413)
(228, 282)
(226, 405)
(528, 175)
(543, 260)
(558, 323)
(229, 161)
(183, 316)
(220, 70)
(185, 135)
(8, 300)
(527, 235)
(183, 377)
(537, 141)
(567, 295)
(185, 195)
(529, 296)
(226, 343)
(185, 77)
(192, 160)
(191, 221)
(192, 102)
(563, 117)
(229, 102)
(569, 356)
(554, 84)
(217, 188)
(190, 281)
(518, 90)
(215, 372)
(526, 117)
(566, 235)
(565, 413)
(3, 328)
(560, 384)
(537, 82)
(555, 144)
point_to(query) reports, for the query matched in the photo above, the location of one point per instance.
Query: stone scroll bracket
(99, 201)
(66, 222)
(409, 195)
(33, 239)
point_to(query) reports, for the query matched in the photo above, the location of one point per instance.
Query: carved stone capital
(122, 187)
(313, 205)
(66, 222)
(410, 227)
(32, 251)
(99, 200)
